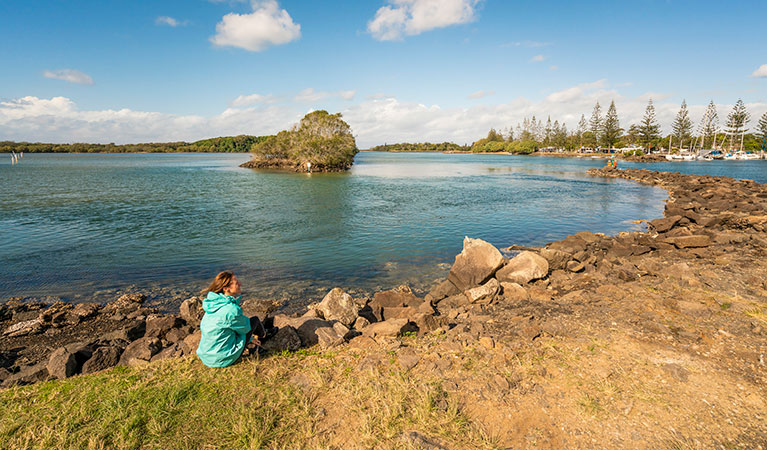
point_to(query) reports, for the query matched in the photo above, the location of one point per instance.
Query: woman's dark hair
(221, 281)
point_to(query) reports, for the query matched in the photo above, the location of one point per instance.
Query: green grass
(254, 404)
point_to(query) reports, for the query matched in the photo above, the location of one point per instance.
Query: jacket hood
(213, 302)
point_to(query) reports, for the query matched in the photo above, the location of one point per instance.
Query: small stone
(487, 342)
(361, 323)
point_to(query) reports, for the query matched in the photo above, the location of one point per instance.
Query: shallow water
(83, 226)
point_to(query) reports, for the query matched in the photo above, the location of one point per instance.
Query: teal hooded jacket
(223, 328)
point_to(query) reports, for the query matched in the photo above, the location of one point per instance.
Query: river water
(87, 227)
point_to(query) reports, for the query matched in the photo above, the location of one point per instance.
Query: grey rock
(159, 326)
(191, 311)
(101, 359)
(61, 364)
(191, 342)
(305, 326)
(327, 337)
(340, 306)
(286, 339)
(140, 351)
(28, 375)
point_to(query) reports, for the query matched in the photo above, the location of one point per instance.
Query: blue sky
(415, 70)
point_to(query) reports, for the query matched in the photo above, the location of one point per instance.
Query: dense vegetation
(324, 140)
(228, 144)
(421, 147)
(605, 132)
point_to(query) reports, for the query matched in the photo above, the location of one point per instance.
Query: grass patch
(254, 404)
(757, 313)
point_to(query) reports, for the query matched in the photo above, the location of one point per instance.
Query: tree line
(227, 144)
(421, 147)
(605, 132)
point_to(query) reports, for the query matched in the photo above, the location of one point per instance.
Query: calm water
(87, 226)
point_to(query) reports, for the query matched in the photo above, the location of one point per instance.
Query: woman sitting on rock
(225, 329)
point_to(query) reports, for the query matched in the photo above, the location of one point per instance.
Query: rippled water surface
(85, 226)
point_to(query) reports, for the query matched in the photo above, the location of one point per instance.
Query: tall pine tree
(649, 130)
(709, 125)
(761, 128)
(682, 125)
(595, 124)
(582, 127)
(737, 121)
(611, 129)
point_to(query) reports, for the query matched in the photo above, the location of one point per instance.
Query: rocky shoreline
(688, 297)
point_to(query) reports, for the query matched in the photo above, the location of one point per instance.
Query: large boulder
(328, 337)
(101, 359)
(286, 339)
(191, 342)
(140, 351)
(524, 268)
(62, 364)
(159, 325)
(477, 263)
(130, 332)
(191, 311)
(305, 326)
(340, 306)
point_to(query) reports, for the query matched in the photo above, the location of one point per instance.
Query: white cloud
(575, 92)
(69, 75)
(253, 99)
(761, 72)
(267, 25)
(480, 94)
(552, 68)
(310, 95)
(170, 21)
(537, 58)
(411, 17)
(374, 121)
(526, 44)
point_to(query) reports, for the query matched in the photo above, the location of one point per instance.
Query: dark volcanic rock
(101, 359)
(286, 339)
(191, 311)
(140, 351)
(62, 364)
